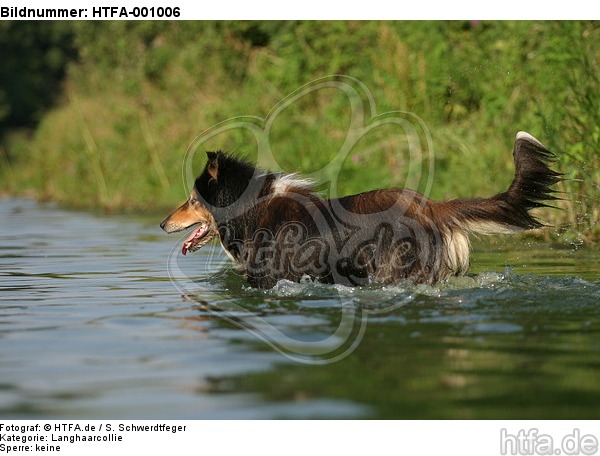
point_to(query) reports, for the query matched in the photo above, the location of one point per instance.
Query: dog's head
(226, 186)
(195, 212)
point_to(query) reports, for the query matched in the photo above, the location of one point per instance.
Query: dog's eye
(193, 200)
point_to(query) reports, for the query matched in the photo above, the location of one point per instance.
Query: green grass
(139, 93)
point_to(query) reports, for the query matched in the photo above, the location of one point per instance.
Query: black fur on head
(225, 179)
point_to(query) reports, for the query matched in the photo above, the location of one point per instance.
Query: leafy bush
(34, 57)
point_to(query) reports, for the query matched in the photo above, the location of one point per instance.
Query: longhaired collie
(275, 226)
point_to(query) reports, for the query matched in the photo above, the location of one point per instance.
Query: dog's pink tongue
(188, 240)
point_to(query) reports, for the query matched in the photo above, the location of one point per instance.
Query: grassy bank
(138, 93)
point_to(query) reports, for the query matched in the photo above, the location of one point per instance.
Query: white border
(303, 438)
(349, 9)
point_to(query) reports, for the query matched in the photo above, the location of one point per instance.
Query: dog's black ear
(213, 164)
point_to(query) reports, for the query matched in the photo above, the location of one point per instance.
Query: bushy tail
(508, 212)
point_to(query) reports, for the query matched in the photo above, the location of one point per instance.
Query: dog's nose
(163, 223)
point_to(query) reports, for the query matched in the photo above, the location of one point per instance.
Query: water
(99, 319)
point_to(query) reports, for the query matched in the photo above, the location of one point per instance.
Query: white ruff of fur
(285, 183)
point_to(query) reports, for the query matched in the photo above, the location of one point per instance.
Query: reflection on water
(91, 326)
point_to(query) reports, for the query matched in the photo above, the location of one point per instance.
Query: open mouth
(198, 237)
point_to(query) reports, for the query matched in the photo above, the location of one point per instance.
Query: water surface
(101, 318)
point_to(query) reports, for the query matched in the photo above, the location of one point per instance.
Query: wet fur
(276, 227)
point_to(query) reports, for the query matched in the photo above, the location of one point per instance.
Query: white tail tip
(523, 135)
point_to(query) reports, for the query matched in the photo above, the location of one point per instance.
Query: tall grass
(141, 92)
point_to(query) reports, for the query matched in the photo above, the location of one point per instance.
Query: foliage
(34, 57)
(140, 92)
